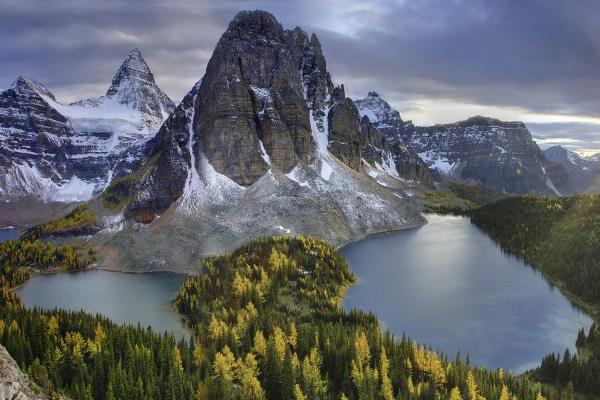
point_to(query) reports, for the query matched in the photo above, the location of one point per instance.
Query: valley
(270, 237)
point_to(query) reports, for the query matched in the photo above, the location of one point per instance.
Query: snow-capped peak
(133, 68)
(379, 111)
(133, 85)
(28, 84)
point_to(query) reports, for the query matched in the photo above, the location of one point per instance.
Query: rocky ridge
(500, 156)
(67, 153)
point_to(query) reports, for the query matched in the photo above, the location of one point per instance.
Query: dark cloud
(538, 56)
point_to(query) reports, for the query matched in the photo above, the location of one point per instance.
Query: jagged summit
(67, 152)
(26, 83)
(257, 22)
(133, 85)
(133, 67)
(380, 112)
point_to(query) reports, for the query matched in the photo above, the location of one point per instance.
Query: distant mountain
(383, 147)
(264, 144)
(500, 156)
(581, 171)
(58, 152)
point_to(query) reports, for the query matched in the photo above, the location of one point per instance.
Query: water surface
(448, 285)
(124, 298)
(9, 234)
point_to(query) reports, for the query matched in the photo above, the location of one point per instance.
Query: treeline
(20, 258)
(80, 221)
(558, 235)
(269, 321)
(581, 372)
(561, 237)
(88, 357)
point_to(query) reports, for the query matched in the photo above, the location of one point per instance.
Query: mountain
(68, 152)
(581, 171)
(264, 144)
(382, 146)
(500, 156)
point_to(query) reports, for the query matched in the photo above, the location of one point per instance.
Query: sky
(436, 61)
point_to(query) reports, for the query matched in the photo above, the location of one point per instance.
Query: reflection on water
(447, 284)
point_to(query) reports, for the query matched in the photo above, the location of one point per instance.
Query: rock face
(260, 146)
(388, 153)
(253, 90)
(381, 143)
(581, 171)
(58, 152)
(14, 384)
(497, 155)
(34, 139)
(344, 130)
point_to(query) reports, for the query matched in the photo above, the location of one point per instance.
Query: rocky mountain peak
(133, 85)
(255, 23)
(134, 67)
(380, 113)
(581, 171)
(24, 84)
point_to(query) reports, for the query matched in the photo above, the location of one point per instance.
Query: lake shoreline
(465, 278)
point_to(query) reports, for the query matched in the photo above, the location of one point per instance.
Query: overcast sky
(436, 61)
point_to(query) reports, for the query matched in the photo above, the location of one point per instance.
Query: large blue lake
(445, 284)
(448, 285)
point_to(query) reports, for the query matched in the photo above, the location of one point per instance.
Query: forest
(268, 324)
(560, 236)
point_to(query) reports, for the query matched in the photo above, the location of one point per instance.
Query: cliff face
(265, 102)
(497, 155)
(14, 384)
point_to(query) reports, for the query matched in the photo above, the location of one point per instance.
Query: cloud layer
(436, 60)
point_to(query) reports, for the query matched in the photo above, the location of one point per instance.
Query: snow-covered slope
(68, 152)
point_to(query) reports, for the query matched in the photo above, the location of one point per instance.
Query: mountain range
(69, 152)
(264, 143)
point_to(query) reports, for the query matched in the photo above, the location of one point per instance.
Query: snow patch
(285, 230)
(263, 152)
(326, 170)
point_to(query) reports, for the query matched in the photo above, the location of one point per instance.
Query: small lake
(9, 234)
(124, 298)
(448, 285)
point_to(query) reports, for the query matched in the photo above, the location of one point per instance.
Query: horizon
(548, 98)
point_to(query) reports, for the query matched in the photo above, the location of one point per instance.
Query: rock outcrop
(344, 129)
(14, 384)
